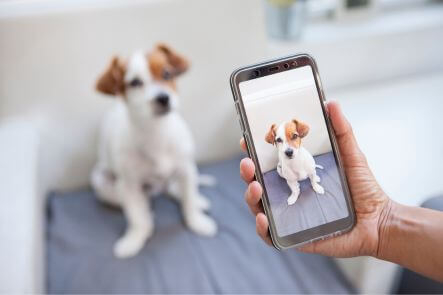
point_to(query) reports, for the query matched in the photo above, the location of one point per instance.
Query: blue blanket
(82, 232)
(311, 209)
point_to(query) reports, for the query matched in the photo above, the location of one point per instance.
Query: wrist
(386, 225)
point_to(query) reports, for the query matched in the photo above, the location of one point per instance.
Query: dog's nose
(162, 99)
(289, 152)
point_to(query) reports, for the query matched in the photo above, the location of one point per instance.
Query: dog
(295, 163)
(145, 147)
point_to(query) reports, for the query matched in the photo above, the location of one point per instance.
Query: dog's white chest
(157, 159)
(293, 169)
(158, 164)
(149, 154)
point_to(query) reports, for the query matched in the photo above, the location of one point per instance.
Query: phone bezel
(319, 232)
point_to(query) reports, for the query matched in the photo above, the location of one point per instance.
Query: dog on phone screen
(295, 163)
(145, 147)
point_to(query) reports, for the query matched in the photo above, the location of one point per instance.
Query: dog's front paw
(131, 243)
(292, 199)
(126, 247)
(318, 189)
(201, 224)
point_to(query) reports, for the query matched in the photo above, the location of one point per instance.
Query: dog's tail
(319, 166)
(206, 180)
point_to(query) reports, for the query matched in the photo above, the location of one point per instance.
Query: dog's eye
(294, 136)
(279, 140)
(136, 82)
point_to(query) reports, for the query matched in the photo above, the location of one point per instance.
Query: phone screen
(292, 144)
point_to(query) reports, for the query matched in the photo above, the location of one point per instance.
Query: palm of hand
(369, 202)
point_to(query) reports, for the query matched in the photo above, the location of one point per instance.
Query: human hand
(372, 206)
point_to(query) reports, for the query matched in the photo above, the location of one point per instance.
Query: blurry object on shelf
(356, 3)
(355, 9)
(285, 19)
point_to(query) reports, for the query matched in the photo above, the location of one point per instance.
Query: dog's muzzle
(289, 153)
(162, 104)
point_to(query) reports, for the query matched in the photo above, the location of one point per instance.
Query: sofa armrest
(21, 212)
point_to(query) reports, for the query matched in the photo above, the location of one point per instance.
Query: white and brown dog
(295, 163)
(146, 147)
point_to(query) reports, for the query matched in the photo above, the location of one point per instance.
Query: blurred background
(381, 59)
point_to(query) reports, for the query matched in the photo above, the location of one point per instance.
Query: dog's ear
(270, 136)
(111, 81)
(302, 128)
(177, 64)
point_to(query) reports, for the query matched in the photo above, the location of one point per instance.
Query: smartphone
(281, 108)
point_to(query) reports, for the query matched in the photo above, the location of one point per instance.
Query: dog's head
(287, 137)
(146, 82)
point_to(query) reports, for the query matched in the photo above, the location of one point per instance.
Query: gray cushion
(435, 203)
(311, 209)
(82, 231)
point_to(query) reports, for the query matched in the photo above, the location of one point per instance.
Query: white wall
(50, 61)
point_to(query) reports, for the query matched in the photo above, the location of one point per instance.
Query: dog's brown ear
(177, 63)
(302, 128)
(111, 81)
(270, 136)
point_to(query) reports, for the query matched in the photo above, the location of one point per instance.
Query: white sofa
(51, 55)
